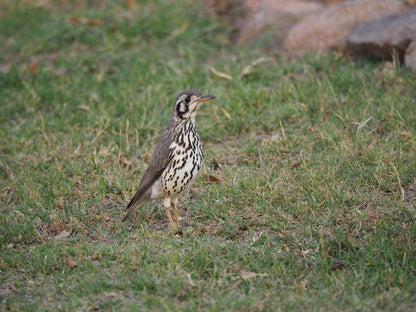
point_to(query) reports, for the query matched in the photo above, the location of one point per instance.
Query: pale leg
(175, 213)
(166, 205)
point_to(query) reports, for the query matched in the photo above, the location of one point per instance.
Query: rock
(273, 18)
(410, 2)
(410, 56)
(385, 35)
(329, 28)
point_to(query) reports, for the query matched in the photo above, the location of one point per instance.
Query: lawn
(306, 200)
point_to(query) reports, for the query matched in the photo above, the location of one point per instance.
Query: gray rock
(327, 29)
(273, 18)
(383, 36)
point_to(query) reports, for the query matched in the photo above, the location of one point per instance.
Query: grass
(306, 200)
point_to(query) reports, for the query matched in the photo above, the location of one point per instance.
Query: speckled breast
(186, 161)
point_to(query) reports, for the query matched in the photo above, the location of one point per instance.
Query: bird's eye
(188, 99)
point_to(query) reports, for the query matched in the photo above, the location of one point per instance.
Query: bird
(176, 159)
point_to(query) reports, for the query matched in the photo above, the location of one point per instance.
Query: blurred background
(305, 202)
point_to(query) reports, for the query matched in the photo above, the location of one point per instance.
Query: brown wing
(158, 163)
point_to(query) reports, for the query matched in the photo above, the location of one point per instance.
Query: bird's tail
(133, 204)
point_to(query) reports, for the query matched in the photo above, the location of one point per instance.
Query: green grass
(306, 200)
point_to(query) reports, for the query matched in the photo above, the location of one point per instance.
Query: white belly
(157, 189)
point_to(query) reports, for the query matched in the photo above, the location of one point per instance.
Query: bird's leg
(166, 205)
(175, 213)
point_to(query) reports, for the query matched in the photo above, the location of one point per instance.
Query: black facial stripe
(181, 109)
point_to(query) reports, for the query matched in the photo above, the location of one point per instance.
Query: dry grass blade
(220, 74)
(249, 69)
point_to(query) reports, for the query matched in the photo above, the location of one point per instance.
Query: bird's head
(188, 103)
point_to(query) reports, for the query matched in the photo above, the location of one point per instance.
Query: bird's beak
(205, 98)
